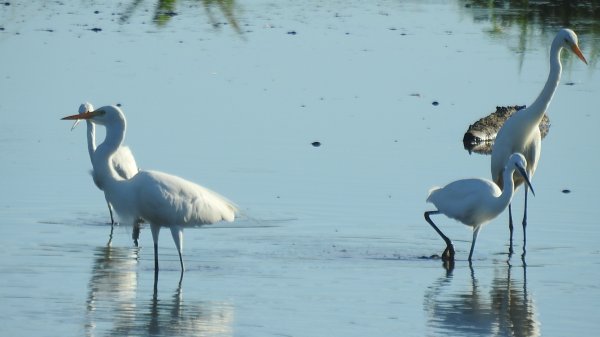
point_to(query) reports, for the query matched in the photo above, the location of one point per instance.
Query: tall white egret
(161, 199)
(474, 202)
(520, 133)
(122, 162)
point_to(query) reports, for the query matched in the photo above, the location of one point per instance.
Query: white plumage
(474, 202)
(122, 162)
(161, 199)
(520, 133)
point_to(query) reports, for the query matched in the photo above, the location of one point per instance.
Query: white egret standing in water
(122, 162)
(520, 133)
(161, 199)
(474, 202)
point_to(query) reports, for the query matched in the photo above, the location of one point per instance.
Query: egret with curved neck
(122, 161)
(161, 199)
(520, 133)
(475, 202)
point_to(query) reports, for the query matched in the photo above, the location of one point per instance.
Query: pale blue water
(332, 237)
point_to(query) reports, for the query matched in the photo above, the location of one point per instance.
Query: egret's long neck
(540, 105)
(91, 138)
(115, 134)
(508, 188)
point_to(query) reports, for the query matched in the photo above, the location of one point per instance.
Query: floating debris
(292, 32)
(435, 103)
(96, 29)
(480, 135)
(316, 144)
(566, 191)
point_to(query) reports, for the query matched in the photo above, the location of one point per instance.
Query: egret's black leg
(135, 235)
(155, 229)
(525, 226)
(510, 229)
(110, 237)
(448, 254)
(112, 219)
(156, 258)
(475, 234)
(155, 284)
(112, 223)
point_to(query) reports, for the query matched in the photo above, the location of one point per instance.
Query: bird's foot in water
(448, 254)
(448, 257)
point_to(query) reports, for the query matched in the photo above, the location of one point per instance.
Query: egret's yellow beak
(578, 52)
(86, 115)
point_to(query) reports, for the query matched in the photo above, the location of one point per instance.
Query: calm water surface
(332, 240)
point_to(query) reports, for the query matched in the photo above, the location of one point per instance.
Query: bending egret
(520, 133)
(122, 162)
(474, 202)
(160, 199)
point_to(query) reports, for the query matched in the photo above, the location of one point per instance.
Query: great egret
(520, 133)
(161, 199)
(474, 202)
(122, 161)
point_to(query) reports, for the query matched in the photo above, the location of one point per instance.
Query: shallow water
(332, 239)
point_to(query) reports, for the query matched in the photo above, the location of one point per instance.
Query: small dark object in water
(430, 257)
(435, 103)
(96, 29)
(96, 12)
(570, 83)
(480, 135)
(292, 32)
(566, 191)
(316, 144)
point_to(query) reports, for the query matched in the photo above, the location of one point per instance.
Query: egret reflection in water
(112, 288)
(531, 17)
(118, 306)
(174, 317)
(508, 310)
(164, 10)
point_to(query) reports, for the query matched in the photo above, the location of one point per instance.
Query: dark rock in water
(480, 136)
(316, 144)
(435, 103)
(566, 191)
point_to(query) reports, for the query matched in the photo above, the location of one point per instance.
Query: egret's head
(105, 115)
(83, 108)
(86, 107)
(517, 161)
(568, 39)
